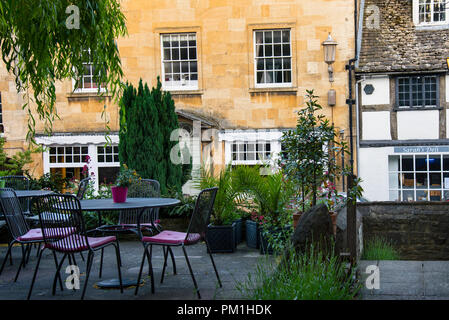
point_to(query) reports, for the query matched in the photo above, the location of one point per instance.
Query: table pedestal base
(115, 283)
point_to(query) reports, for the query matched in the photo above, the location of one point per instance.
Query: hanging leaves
(45, 41)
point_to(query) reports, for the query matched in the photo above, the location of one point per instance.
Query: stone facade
(397, 45)
(418, 230)
(226, 90)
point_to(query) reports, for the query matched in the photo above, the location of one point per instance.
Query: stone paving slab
(233, 268)
(407, 280)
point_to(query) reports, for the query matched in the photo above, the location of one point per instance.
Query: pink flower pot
(119, 194)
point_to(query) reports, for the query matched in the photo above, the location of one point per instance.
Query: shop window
(419, 177)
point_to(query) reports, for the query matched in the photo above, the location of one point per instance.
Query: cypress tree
(147, 121)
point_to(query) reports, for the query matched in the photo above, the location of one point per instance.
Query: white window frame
(416, 21)
(87, 90)
(273, 137)
(254, 144)
(182, 84)
(93, 166)
(273, 85)
(399, 174)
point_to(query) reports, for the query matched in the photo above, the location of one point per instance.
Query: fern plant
(270, 193)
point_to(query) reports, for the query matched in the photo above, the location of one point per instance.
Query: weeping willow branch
(39, 49)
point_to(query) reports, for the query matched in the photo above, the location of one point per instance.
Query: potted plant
(221, 231)
(309, 157)
(253, 230)
(270, 194)
(125, 178)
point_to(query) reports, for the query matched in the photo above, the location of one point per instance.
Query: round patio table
(99, 205)
(31, 193)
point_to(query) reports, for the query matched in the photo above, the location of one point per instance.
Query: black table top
(31, 193)
(131, 203)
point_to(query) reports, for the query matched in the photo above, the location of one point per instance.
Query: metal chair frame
(128, 220)
(17, 227)
(73, 241)
(82, 188)
(19, 183)
(198, 225)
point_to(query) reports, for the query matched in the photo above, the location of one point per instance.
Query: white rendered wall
(376, 125)
(418, 124)
(373, 170)
(381, 94)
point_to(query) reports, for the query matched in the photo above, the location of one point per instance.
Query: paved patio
(232, 267)
(408, 280)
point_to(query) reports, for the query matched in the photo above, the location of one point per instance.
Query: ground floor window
(107, 175)
(419, 177)
(76, 162)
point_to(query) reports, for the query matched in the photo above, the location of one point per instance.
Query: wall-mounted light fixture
(330, 48)
(447, 62)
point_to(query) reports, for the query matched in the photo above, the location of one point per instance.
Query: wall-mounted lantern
(330, 48)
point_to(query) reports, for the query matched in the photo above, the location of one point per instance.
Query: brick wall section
(420, 230)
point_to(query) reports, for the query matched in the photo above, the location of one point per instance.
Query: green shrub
(379, 249)
(311, 276)
(52, 181)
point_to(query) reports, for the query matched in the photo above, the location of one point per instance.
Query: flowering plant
(126, 177)
(260, 219)
(330, 196)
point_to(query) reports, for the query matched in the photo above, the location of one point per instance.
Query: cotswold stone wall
(420, 230)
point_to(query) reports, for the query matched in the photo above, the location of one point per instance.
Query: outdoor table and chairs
(138, 206)
(62, 230)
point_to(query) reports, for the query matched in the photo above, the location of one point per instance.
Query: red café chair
(66, 211)
(196, 231)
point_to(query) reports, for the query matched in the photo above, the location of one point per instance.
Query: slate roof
(398, 45)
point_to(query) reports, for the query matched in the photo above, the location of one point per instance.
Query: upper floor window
(431, 12)
(417, 91)
(179, 61)
(88, 80)
(273, 58)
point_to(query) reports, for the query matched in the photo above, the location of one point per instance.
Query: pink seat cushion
(76, 243)
(173, 237)
(36, 234)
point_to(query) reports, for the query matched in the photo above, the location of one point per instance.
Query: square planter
(221, 238)
(238, 225)
(252, 234)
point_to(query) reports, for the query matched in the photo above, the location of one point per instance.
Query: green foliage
(379, 249)
(126, 177)
(227, 198)
(147, 120)
(311, 276)
(270, 193)
(39, 49)
(52, 181)
(310, 152)
(185, 208)
(16, 164)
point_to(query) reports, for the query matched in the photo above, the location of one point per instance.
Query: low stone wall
(419, 230)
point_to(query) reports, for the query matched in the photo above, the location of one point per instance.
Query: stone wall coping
(396, 203)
